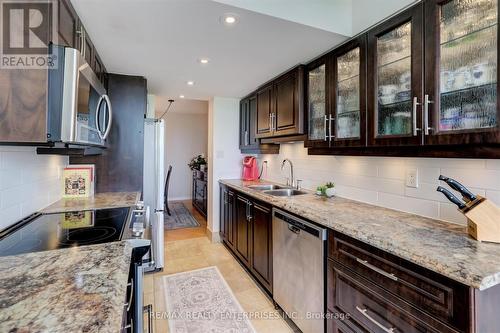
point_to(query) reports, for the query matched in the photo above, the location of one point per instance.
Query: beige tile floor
(188, 253)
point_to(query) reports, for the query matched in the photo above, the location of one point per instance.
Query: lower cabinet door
(243, 230)
(222, 213)
(261, 240)
(230, 220)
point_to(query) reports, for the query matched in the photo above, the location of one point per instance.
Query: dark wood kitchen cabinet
(245, 225)
(395, 69)
(248, 123)
(460, 102)
(199, 192)
(265, 111)
(318, 97)
(227, 216)
(243, 229)
(72, 33)
(280, 105)
(24, 92)
(431, 88)
(374, 291)
(336, 103)
(261, 243)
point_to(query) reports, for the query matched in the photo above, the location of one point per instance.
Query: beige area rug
(200, 301)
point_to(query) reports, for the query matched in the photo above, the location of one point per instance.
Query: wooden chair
(165, 194)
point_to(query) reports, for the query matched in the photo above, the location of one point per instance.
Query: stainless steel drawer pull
(364, 312)
(129, 303)
(376, 269)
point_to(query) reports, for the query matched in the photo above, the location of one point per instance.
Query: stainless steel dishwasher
(299, 270)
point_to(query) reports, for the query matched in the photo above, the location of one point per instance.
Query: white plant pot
(330, 192)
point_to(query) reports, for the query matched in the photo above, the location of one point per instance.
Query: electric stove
(61, 230)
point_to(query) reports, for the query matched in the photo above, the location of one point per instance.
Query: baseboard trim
(214, 237)
(179, 199)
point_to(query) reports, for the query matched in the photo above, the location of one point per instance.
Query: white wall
(186, 135)
(224, 157)
(369, 12)
(329, 15)
(28, 182)
(381, 180)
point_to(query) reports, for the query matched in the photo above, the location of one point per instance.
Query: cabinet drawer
(412, 287)
(367, 311)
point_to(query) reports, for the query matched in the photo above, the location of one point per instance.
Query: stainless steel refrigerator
(154, 182)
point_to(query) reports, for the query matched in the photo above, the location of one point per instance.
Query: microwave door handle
(97, 114)
(110, 116)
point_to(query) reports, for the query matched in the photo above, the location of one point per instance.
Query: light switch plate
(412, 178)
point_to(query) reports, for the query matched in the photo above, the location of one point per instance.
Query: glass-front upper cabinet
(318, 114)
(395, 72)
(348, 100)
(461, 93)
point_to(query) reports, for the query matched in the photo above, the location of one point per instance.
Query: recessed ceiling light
(190, 83)
(229, 19)
(203, 61)
(181, 96)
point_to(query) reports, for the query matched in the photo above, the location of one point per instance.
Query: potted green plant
(327, 190)
(197, 162)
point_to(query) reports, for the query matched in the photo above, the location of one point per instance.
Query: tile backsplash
(381, 180)
(28, 182)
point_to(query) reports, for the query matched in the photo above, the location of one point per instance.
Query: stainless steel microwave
(80, 111)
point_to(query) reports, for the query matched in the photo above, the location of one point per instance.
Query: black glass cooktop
(60, 230)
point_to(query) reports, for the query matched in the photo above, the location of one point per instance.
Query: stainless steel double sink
(277, 190)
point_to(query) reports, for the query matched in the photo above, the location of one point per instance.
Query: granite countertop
(79, 289)
(439, 246)
(99, 201)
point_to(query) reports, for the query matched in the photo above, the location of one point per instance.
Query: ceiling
(164, 39)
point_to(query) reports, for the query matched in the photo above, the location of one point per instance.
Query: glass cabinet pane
(468, 64)
(348, 95)
(317, 103)
(394, 107)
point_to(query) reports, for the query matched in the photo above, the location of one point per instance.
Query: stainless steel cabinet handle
(376, 269)
(270, 122)
(330, 127)
(326, 134)
(129, 303)
(426, 114)
(247, 138)
(415, 104)
(382, 327)
(249, 214)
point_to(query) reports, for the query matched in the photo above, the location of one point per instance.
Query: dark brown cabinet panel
(243, 229)
(280, 106)
(68, 23)
(249, 143)
(395, 69)
(261, 219)
(288, 117)
(367, 311)
(461, 104)
(348, 114)
(420, 292)
(318, 97)
(264, 112)
(227, 216)
(246, 229)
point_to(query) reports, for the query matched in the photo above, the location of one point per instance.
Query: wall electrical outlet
(412, 178)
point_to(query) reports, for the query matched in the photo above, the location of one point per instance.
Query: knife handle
(468, 195)
(451, 197)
